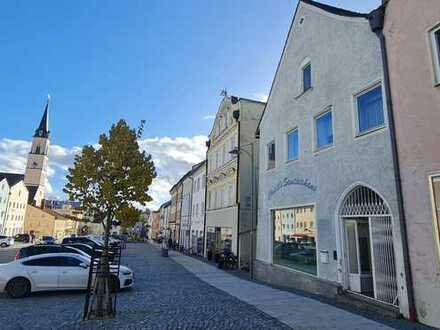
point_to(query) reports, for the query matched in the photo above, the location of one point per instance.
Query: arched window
(37, 149)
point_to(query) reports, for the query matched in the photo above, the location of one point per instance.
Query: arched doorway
(368, 245)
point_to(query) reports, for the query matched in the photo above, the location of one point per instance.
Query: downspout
(208, 143)
(376, 19)
(236, 115)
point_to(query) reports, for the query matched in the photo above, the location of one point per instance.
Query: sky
(162, 61)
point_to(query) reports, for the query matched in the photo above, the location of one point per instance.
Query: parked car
(25, 238)
(56, 271)
(6, 241)
(89, 250)
(46, 248)
(83, 239)
(47, 240)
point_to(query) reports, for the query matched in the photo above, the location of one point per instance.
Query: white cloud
(172, 156)
(209, 117)
(260, 97)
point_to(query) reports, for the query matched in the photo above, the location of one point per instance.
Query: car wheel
(3, 245)
(114, 284)
(18, 287)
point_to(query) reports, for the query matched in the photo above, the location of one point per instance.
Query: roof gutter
(376, 19)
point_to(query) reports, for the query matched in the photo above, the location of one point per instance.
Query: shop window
(324, 130)
(294, 246)
(370, 110)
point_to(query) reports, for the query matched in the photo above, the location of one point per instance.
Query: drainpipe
(376, 19)
(236, 115)
(208, 144)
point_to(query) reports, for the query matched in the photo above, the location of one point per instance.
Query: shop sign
(289, 182)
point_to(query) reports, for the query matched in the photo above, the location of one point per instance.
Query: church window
(37, 149)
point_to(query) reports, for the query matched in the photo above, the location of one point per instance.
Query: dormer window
(306, 77)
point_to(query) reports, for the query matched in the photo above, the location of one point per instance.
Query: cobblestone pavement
(165, 296)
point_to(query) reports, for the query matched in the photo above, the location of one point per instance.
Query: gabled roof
(327, 8)
(12, 178)
(334, 10)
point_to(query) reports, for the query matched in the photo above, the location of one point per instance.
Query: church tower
(36, 168)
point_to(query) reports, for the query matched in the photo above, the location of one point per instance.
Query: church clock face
(34, 164)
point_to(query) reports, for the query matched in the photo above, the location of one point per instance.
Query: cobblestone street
(165, 296)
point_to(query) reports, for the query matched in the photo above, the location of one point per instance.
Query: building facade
(185, 214)
(230, 176)
(39, 222)
(164, 218)
(328, 211)
(198, 207)
(16, 207)
(175, 212)
(4, 199)
(414, 72)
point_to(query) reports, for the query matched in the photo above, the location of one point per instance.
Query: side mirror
(83, 265)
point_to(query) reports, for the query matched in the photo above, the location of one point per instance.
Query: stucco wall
(346, 59)
(417, 117)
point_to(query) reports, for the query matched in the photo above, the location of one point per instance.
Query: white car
(6, 241)
(53, 271)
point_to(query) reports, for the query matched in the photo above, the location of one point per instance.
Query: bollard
(164, 250)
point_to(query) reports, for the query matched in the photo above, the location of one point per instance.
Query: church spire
(43, 128)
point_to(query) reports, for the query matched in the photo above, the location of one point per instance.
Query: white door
(44, 272)
(72, 275)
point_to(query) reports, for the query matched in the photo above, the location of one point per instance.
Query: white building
(231, 157)
(4, 198)
(16, 207)
(185, 215)
(326, 160)
(198, 207)
(164, 218)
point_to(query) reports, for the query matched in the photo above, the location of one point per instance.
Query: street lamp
(236, 151)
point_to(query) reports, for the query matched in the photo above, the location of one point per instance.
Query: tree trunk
(101, 290)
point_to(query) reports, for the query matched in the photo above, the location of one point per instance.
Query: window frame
(303, 67)
(296, 128)
(267, 155)
(316, 148)
(369, 88)
(434, 207)
(434, 46)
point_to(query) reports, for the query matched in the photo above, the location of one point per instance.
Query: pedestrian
(170, 243)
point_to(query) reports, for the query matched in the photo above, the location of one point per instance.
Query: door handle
(64, 272)
(34, 272)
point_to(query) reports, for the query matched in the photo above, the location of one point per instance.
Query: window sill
(323, 149)
(293, 270)
(370, 131)
(304, 93)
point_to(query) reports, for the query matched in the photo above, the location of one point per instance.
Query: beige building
(411, 34)
(231, 170)
(39, 222)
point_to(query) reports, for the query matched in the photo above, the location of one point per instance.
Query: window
(307, 77)
(292, 144)
(51, 261)
(435, 46)
(271, 155)
(324, 130)
(370, 110)
(435, 186)
(294, 246)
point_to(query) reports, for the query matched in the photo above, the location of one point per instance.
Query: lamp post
(236, 151)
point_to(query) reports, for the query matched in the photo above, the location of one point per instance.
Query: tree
(106, 179)
(128, 216)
